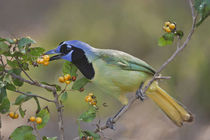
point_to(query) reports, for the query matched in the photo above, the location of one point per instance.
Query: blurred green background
(130, 26)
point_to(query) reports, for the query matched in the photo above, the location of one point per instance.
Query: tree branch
(33, 95)
(59, 108)
(157, 74)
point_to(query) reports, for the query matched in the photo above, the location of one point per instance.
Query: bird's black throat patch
(81, 62)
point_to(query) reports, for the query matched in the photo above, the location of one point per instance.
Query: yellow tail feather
(174, 110)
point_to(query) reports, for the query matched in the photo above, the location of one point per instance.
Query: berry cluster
(91, 99)
(169, 27)
(66, 79)
(44, 60)
(87, 138)
(13, 115)
(37, 119)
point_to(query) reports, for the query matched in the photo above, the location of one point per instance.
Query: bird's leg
(139, 93)
(110, 122)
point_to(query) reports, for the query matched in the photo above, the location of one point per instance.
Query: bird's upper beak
(55, 57)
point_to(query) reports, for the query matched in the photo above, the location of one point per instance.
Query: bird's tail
(173, 109)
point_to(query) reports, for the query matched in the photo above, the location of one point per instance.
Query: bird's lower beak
(55, 57)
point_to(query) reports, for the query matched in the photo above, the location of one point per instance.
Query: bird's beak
(55, 57)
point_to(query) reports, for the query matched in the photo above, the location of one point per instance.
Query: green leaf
(5, 105)
(10, 87)
(38, 105)
(22, 112)
(48, 138)
(166, 39)
(89, 115)
(22, 98)
(78, 84)
(179, 33)
(25, 41)
(37, 51)
(3, 94)
(2, 39)
(45, 115)
(17, 82)
(69, 68)
(203, 9)
(90, 133)
(3, 47)
(64, 96)
(13, 64)
(23, 132)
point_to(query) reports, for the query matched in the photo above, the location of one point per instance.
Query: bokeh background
(131, 26)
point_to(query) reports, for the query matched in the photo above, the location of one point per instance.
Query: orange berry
(11, 114)
(68, 82)
(168, 30)
(73, 78)
(172, 26)
(61, 79)
(38, 120)
(32, 119)
(46, 57)
(67, 77)
(46, 63)
(88, 98)
(167, 23)
(40, 61)
(93, 102)
(16, 116)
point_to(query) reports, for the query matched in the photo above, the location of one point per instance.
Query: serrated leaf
(89, 115)
(3, 47)
(80, 83)
(45, 115)
(69, 68)
(23, 132)
(25, 41)
(48, 138)
(64, 96)
(22, 98)
(90, 133)
(17, 82)
(36, 51)
(5, 105)
(22, 112)
(10, 87)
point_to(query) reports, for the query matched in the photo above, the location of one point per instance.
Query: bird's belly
(115, 79)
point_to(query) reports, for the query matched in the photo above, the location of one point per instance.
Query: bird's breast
(116, 80)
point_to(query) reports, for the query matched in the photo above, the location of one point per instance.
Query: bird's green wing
(124, 61)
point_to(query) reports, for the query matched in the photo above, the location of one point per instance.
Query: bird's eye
(64, 49)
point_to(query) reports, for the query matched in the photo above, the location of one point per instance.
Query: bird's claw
(110, 123)
(140, 95)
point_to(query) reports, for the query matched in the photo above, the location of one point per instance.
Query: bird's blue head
(69, 49)
(77, 52)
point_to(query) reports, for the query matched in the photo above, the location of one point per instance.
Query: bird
(119, 73)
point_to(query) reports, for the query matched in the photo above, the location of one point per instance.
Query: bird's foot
(110, 123)
(139, 94)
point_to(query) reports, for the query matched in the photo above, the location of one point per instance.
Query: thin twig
(36, 131)
(23, 69)
(33, 95)
(63, 91)
(50, 88)
(178, 50)
(59, 108)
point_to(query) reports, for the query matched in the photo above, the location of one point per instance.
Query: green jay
(119, 73)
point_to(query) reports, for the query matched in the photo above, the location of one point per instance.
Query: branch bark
(171, 58)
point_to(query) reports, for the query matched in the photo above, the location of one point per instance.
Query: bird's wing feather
(124, 61)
